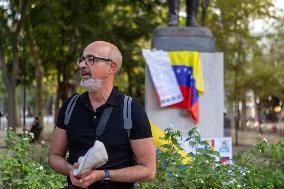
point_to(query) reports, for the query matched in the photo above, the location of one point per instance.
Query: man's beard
(91, 85)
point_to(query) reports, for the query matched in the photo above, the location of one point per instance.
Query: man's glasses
(90, 60)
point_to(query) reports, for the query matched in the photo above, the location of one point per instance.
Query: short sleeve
(140, 123)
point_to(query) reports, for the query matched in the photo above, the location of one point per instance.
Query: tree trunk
(63, 69)
(280, 123)
(13, 117)
(39, 70)
(237, 113)
(57, 99)
(39, 97)
(243, 114)
(10, 79)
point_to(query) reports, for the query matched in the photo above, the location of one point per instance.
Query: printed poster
(222, 144)
(163, 77)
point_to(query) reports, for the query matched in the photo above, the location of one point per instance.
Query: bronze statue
(191, 10)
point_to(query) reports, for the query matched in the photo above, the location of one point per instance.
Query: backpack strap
(70, 108)
(103, 121)
(127, 120)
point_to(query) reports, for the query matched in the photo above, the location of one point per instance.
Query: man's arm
(57, 152)
(145, 169)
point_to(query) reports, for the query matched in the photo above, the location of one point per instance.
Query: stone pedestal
(211, 103)
(183, 38)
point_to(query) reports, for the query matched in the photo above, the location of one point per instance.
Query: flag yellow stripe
(191, 59)
(158, 134)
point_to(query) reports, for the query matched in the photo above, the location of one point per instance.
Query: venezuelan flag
(187, 68)
(159, 135)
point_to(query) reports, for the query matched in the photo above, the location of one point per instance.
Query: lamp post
(24, 98)
(24, 107)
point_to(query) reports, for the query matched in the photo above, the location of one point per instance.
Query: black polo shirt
(81, 132)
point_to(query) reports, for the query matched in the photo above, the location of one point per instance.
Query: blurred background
(41, 40)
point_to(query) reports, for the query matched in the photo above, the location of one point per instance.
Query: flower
(32, 135)
(264, 140)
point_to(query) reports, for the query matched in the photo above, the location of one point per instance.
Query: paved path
(248, 138)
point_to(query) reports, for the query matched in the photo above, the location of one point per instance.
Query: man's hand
(76, 166)
(87, 178)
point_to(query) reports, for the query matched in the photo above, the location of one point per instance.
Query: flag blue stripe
(184, 76)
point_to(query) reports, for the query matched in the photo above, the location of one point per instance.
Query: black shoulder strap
(127, 120)
(103, 121)
(127, 114)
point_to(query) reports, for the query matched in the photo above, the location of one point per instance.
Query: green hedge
(24, 166)
(261, 168)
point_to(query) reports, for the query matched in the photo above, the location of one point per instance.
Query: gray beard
(91, 85)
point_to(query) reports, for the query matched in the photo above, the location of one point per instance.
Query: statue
(191, 10)
(193, 38)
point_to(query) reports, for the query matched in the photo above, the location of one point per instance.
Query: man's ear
(113, 67)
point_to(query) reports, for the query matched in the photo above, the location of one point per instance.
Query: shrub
(262, 167)
(23, 166)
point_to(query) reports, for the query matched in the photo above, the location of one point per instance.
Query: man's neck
(100, 96)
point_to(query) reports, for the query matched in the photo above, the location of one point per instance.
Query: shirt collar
(112, 99)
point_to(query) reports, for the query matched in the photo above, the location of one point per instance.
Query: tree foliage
(12, 18)
(230, 22)
(61, 29)
(55, 33)
(252, 60)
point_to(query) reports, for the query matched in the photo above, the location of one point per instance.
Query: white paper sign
(163, 77)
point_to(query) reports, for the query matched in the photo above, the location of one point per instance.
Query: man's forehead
(89, 51)
(96, 50)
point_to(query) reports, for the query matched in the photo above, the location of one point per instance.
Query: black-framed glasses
(90, 59)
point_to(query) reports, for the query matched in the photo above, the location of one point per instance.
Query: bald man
(131, 158)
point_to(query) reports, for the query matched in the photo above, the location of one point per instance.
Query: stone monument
(192, 37)
(191, 10)
(189, 38)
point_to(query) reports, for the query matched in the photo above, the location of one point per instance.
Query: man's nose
(83, 64)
